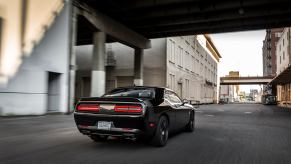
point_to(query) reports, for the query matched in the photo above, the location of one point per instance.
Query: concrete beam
(113, 28)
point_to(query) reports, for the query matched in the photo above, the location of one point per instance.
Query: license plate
(104, 125)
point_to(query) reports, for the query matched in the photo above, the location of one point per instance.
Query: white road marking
(221, 110)
(248, 112)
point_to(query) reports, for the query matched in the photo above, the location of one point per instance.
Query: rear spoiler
(115, 99)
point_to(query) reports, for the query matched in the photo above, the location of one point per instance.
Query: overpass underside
(164, 18)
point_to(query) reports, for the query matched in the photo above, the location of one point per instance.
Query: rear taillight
(88, 107)
(128, 109)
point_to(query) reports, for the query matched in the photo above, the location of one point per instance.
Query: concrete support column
(98, 65)
(138, 67)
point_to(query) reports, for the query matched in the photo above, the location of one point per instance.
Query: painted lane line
(210, 115)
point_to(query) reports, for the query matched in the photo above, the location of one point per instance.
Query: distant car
(221, 101)
(269, 100)
(134, 112)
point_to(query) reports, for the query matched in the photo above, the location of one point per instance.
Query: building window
(197, 66)
(187, 60)
(187, 89)
(280, 60)
(283, 55)
(172, 51)
(193, 64)
(205, 71)
(172, 81)
(180, 56)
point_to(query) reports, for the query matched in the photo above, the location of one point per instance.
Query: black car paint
(177, 115)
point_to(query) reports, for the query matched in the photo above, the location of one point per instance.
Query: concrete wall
(154, 65)
(27, 92)
(282, 51)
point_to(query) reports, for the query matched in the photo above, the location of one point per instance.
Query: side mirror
(185, 101)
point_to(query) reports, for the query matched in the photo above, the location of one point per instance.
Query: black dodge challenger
(149, 113)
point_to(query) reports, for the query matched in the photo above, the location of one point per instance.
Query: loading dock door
(53, 104)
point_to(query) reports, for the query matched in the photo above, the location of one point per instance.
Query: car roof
(139, 87)
(155, 87)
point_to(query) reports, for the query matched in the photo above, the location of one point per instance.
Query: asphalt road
(238, 133)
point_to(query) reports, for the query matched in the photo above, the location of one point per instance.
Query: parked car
(268, 100)
(222, 101)
(148, 113)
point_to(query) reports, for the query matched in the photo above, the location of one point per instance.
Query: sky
(240, 51)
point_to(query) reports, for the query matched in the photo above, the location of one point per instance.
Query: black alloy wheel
(162, 133)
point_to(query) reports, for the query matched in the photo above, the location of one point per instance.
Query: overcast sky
(240, 51)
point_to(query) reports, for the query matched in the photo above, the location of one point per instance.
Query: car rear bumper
(122, 125)
(119, 132)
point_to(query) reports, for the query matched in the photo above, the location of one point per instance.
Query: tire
(97, 138)
(161, 135)
(190, 127)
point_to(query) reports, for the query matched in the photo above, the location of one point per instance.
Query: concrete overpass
(245, 80)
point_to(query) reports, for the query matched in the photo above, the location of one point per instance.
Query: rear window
(131, 92)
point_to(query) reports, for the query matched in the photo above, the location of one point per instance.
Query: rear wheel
(97, 138)
(162, 132)
(190, 127)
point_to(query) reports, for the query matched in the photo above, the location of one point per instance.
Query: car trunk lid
(106, 105)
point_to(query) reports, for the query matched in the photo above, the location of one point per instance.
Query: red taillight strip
(128, 109)
(88, 107)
